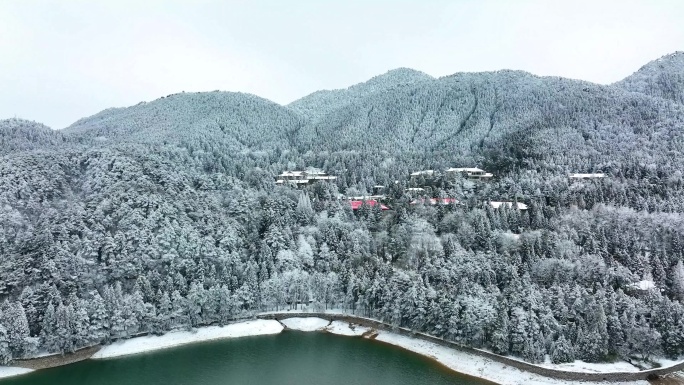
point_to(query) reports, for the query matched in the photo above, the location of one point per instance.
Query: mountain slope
(513, 114)
(663, 78)
(21, 135)
(320, 103)
(240, 120)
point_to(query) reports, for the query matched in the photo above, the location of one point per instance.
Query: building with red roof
(355, 204)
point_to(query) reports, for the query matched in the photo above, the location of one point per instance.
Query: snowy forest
(165, 215)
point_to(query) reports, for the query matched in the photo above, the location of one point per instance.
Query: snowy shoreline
(458, 361)
(209, 333)
(480, 367)
(11, 371)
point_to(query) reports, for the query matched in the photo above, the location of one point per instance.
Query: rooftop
(424, 172)
(496, 205)
(465, 169)
(584, 176)
(434, 201)
(355, 205)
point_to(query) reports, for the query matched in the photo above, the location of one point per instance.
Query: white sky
(63, 60)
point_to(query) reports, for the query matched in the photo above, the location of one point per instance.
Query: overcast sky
(63, 60)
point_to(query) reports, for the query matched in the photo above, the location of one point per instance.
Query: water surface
(288, 358)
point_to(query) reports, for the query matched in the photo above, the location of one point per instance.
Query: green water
(288, 358)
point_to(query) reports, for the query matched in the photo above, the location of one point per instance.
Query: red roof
(355, 205)
(434, 201)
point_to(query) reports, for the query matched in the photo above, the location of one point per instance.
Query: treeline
(106, 244)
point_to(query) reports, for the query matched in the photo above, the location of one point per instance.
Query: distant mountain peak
(218, 117)
(320, 103)
(18, 134)
(400, 75)
(671, 56)
(663, 78)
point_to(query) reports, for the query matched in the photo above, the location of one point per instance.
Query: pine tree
(99, 325)
(5, 351)
(562, 351)
(18, 334)
(678, 280)
(48, 334)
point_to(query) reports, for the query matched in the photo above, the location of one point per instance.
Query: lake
(288, 358)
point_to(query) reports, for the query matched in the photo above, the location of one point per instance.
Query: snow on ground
(665, 363)
(43, 353)
(477, 366)
(307, 324)
(149, 343)
(643, 285)
(583, 367)
(11, 371)
(586, 367)
(344, 329)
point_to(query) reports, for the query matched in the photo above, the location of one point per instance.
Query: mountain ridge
(23, 135)
(321, 102)
(663, 78)
(472, 114)
(240, 118)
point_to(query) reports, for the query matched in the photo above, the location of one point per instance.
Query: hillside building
(365, 197)
(518, 205)
(424, 173)
(303, 177)
(424, 177)
(356, 204)
(587, 176)
(435, 201)
(469, 172)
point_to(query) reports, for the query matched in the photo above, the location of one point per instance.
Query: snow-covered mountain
(321, 103)
(20, 135)
(240, 120)
(503, 117)
(663, 78)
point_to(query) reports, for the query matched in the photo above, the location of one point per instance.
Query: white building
(469, 172)
(303, 177)
(587, 176)
(519, 206)
(424, 173)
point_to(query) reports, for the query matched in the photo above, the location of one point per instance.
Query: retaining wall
(547, 372)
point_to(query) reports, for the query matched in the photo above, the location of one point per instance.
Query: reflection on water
(287, 358)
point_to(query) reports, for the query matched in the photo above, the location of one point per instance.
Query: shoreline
(460, 362)
(469, 363)
(172, 339)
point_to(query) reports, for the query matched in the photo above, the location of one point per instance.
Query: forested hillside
(238, 121)
(21, 135)
(493, 117)
(165, 215)
(663, 78)
(320, 103)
